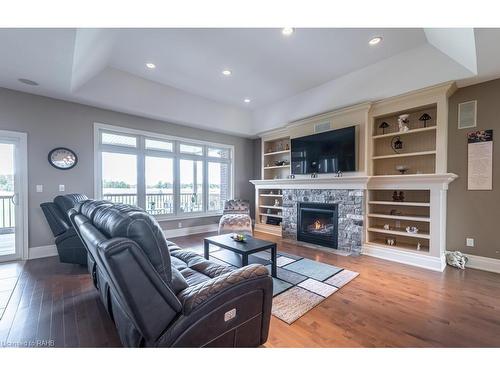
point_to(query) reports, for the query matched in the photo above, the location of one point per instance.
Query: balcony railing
(7, 214)
(163, 203)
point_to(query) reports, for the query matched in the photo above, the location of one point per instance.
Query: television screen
(327, 152)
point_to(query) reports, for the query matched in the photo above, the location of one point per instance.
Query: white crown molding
(483, 263)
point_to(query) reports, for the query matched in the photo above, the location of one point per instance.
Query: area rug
(301, 283)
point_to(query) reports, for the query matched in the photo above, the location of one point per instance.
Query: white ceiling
(312, 71)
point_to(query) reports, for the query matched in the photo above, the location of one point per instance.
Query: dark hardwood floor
(388, 305)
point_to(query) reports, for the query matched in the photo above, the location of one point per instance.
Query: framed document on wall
(480, 160)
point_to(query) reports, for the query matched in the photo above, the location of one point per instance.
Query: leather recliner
(159, 295)
(69, 246)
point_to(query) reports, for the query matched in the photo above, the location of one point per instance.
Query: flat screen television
(327, 152)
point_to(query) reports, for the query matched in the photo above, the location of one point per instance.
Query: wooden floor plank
(387, 305)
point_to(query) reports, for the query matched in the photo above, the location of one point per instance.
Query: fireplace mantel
(423, 181)
(348, 182)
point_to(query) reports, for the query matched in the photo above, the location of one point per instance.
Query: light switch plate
(469, 242)
(39, 188)
(62, 188)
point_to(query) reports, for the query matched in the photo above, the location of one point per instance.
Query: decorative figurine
(419, 246)
(395, 196)
(383, 126)
(339, 173)
(403, 122)
(287, 147)
(276, 203)
(396, 144)
(390, 241)
(398, 197)
(425, 117)
(387, 227)
(402, 169)
(412, 230)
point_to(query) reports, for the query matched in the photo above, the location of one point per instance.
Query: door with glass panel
(11, 202)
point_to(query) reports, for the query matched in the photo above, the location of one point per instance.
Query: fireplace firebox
(318, 223)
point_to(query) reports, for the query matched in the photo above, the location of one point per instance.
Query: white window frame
(176, 155)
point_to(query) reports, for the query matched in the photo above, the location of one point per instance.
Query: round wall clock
(62, 158)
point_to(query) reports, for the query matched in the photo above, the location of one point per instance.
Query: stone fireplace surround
(350, 214)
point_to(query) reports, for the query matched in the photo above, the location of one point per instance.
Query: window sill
(161, 218)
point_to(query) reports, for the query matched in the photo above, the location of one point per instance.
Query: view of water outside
(119, 173)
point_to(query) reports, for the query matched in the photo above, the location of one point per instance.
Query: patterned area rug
(301, 283)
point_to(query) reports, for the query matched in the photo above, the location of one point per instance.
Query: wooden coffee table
(250, 246)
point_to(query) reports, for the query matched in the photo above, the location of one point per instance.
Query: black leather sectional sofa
(69, 246)
(159, 295)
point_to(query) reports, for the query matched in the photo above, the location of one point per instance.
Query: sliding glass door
(11, 193)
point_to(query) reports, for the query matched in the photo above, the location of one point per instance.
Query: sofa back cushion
(119, 220)
(68, 201)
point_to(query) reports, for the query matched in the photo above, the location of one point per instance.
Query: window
(191, 149)
(119, 178)
(218, 185)
(167, 176)
(153, 144)
(191, 181)
(159, 185)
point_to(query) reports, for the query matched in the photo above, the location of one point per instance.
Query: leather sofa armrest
(197, 295)
(70, 233)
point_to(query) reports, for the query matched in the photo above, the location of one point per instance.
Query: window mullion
(141, 174)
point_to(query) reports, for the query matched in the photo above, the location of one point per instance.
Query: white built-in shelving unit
(424, 184)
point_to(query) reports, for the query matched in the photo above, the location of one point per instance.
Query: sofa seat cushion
(194, 268)
(192, 277)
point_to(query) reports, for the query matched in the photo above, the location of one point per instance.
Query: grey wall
(474, 213)
(51, 123)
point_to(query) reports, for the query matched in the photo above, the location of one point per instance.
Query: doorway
(13, 196)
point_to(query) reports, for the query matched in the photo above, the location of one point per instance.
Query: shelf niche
(418, 153)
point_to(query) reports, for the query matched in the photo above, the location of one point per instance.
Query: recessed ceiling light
(374, 41)
(227, 72)
(150, 65)
(28, 82)
(287, 31)
(247, 100)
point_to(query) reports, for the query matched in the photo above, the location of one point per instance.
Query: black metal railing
(163, 203)
(7, 213)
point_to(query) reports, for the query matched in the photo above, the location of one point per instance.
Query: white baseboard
(42, 251)
(412, 259)
(171, 233)
(483, 263)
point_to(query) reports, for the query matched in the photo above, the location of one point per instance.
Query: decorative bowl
(238, 237)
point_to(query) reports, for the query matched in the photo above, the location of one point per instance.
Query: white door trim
(22, 139)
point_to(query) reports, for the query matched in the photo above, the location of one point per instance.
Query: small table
(250, 246)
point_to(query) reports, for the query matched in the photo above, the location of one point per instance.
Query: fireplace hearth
(318, 223)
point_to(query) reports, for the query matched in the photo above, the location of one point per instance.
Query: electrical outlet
(62, 187)
(469, 242)
(39, 188)
(179, 224)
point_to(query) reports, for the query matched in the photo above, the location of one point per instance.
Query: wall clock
(62, 158)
